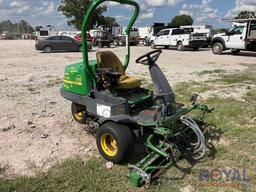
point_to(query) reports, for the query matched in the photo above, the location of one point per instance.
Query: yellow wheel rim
(108, 144)
(79, 115)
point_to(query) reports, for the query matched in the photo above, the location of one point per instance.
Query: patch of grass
(32, 89)
(72, 175)
(209, 72)
(3, 169)
(55, 82)
(185, 90)
(245, 77)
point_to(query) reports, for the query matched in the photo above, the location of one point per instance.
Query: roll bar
(88, 16)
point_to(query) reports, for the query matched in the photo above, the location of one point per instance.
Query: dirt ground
(36, 127)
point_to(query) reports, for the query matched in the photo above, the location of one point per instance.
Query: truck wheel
(121, 43)
(116, 43)
(180, 46)
(145, 42)
(217, 48)
(47, 49)
(78, 113)
(101, 45)
(235, 51)
(114, 141)
(153, 45)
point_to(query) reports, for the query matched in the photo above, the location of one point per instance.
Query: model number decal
(103, 110)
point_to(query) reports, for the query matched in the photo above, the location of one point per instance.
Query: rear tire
(180, 46)
(153, 45)
(47, 49)
(79, 113)
(217, 48)
(114, 141)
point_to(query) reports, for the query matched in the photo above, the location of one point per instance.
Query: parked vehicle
(152, 32)
(205, 31)
(78, 37)
(174, 37)
(59, 43)
(241, 37)
(120, 40)
(102, 38)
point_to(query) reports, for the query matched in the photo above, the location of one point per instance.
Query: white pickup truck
(175, 37)
(241, 37)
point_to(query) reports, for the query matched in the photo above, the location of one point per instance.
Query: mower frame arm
(86, 20)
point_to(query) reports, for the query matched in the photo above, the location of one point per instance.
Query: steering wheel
(149, 58)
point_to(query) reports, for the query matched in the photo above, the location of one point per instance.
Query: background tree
(108, 21)
(20, 27)
(75, 10)
(220, 30)
(180, 20)
(245, 15)
(37, 28)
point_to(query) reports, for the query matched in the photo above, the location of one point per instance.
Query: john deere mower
(119, 111)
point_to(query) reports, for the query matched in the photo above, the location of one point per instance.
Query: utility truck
(176, 37)
(241, 37)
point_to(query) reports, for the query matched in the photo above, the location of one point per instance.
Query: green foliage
(220, 30)
(245, 15)
(180, 20)
(111, 21)
(75, 10)
(20, 27)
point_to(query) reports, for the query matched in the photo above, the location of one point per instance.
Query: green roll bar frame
(88, 16)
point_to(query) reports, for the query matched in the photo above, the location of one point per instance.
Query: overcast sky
(44, 12)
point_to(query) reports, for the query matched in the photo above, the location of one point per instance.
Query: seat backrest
(107, 59)
(162, 87)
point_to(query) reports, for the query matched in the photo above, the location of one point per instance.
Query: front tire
(47, 49)
(217, 48)
(116, 42)
(78, 113)
(114, 141)
(145, 42)
(180, 46)
(153, 45)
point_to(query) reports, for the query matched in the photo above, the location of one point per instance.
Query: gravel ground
(36, 127)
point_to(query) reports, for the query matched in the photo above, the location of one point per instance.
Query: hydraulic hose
(197, 148)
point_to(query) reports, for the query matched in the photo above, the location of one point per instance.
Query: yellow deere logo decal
(72, 82)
